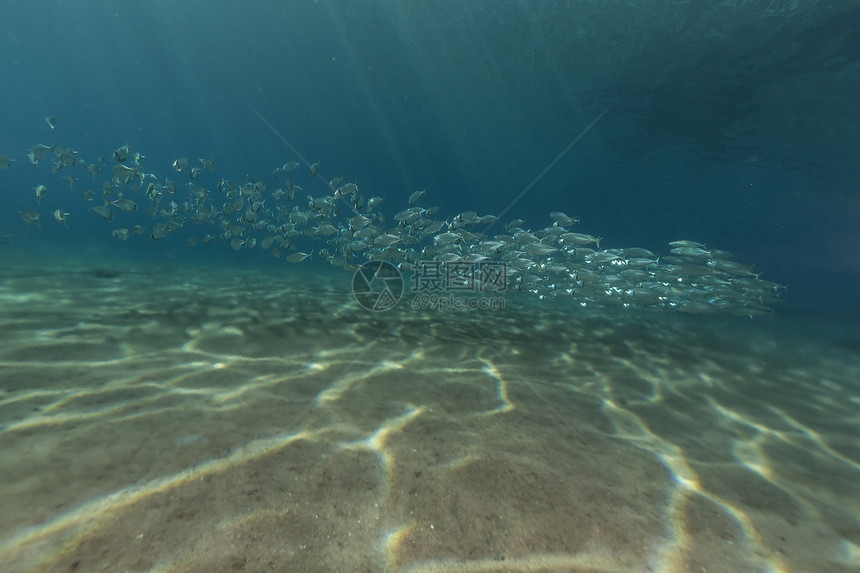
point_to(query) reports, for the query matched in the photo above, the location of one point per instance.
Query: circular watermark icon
(377, 286)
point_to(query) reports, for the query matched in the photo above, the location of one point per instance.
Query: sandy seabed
(182, 418)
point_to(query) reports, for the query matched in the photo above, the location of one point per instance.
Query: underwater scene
(430, 286)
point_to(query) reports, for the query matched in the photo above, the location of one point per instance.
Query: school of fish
(550, 262)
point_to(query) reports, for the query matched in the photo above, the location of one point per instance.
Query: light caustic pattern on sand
(193, 432)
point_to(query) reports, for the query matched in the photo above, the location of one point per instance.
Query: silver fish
(122, 153)
(696, 252)
(61, 217)
(346, 189)
(104, 211)
(386, 240)
(124, 204)
(687, 244)
(238, 243)
(38, 153)
(66, 156)
(327, 229)
(298, 257)
(539, 249)
(123, 173)
(31, 218)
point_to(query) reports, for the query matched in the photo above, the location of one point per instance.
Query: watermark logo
(377, 286)
(437, 285)
(450, 301)
(438, 277)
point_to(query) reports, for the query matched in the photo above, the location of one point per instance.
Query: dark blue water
(734, 126)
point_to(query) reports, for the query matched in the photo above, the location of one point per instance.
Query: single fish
(31, 218)
(104, 211)
(298, 257)
(181, 164)
(326, 229)
(687, 244)
(122, 153)
(61, 217)
(38, 153)
(386, 240)
(41, 191)
(124, 204)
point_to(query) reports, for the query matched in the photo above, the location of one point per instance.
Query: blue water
(732, 126)
(167, 407)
